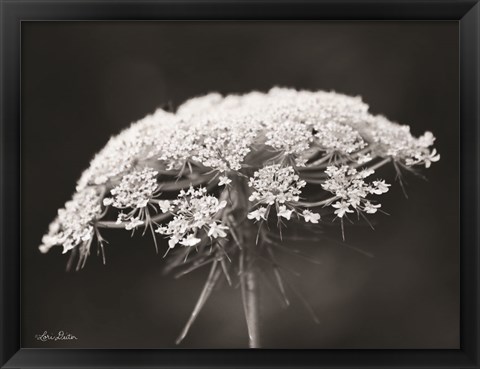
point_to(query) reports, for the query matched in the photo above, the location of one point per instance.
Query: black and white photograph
(240, 184)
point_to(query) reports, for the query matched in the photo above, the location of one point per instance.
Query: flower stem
(253, 307)
(247, 268)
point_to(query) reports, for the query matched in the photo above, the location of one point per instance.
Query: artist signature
(59, 336)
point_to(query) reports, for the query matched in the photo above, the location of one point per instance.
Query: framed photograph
(240, 184)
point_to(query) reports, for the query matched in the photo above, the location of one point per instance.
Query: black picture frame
(13, 13)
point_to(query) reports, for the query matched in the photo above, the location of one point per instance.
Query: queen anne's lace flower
(206, 136)
(73, 225)
(219, 132)
(348, 185)
(274, 184)
(138, 143)
(340, 138)
(194, 211)
(396, 141)
(134, 190)
(287, 138)
(224, 164)
(223, 148)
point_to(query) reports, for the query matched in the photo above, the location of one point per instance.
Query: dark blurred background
(84, 81)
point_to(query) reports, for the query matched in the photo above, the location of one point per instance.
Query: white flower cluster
(289, 137)
(225, 149)
(73, 226)
(193, 211)
(212, 132)
(334, 137)
(396, 141)
(286, 137)
(349, 186)
(136, 144)
(220, 132)
(274, 184)
(278, 186)
(135, 189)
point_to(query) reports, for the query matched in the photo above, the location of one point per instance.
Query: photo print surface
(240, 184)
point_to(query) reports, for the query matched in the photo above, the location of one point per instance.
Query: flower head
(274, 184)
(336, 137)
(349, 185)
(135, 189)
(194, 211)
(396, 141)
(287, 138)
(73, 225)
(121, 154)
(224, 132)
